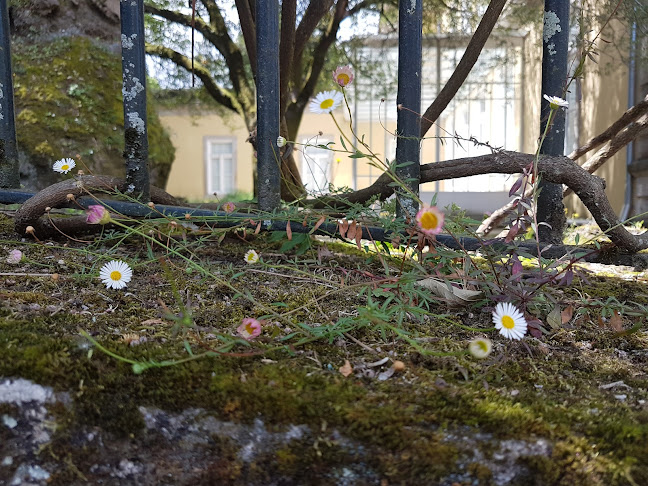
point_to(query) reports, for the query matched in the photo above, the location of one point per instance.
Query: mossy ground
(551, 388)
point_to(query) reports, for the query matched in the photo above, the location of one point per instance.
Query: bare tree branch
(468, 60)
(619, 140)
(309, 22)
(295, 109)
(221, 95)
(248, 27)
(216, 33)
(286, 49)
(629, 116)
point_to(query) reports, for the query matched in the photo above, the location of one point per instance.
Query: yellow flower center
(65, 167)
(482, 345)
(343, 79)
(326, 104)
(115, 275)
(429, 221)
(508, 322)
(249, 329)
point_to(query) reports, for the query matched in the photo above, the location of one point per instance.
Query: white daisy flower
(115, 274)
(480, 347)
(509, 321)
(326, 102)
(555, 102)
(251, 256)
(281, 141)
(64, 165)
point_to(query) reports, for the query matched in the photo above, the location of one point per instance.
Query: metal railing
(269, 175)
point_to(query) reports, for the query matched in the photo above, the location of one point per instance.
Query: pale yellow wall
(605, 98)
(604, 88)
(188, 129)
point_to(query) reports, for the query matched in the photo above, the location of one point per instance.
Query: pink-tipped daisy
(249, 328)
(430, 220)
(97, 214)
(343, 75)
(229, 207)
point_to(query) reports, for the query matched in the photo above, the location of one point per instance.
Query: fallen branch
(630, 124)
(558, 170)
(56, 196)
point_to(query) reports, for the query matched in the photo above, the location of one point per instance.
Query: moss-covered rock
(569, 408)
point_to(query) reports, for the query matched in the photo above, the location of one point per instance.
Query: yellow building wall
(188, 129)
(604, 88)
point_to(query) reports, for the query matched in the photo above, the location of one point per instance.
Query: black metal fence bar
(268, 161)
(555, 47)
(9, 171)
(134, 91)
(408, 148)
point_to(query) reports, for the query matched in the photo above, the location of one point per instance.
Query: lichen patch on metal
(551, 25)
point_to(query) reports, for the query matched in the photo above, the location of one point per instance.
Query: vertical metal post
(555, 46)
(408, 99)
(268, 162)
(9, 173)
(134, 92)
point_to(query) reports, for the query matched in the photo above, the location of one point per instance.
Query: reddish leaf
(358, 237)
(517, 268)
(346, 369)
(288, 231)
(258, 228)
(516, 186)
(319, 223)
(535, 328)
(568, 277)
(343, 225)
(512, 232)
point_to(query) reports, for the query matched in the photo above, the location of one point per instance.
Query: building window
(316, 165)
(220, 164)
(485, 113)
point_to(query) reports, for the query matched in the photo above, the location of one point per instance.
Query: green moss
(408, 429)
(68, 102)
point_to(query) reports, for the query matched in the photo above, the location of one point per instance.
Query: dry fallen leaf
(346, 369)
(616, 323)
(567, 314)
(454, 295)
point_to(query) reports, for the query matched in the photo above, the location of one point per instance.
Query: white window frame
(311, 168)
(219, 191)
